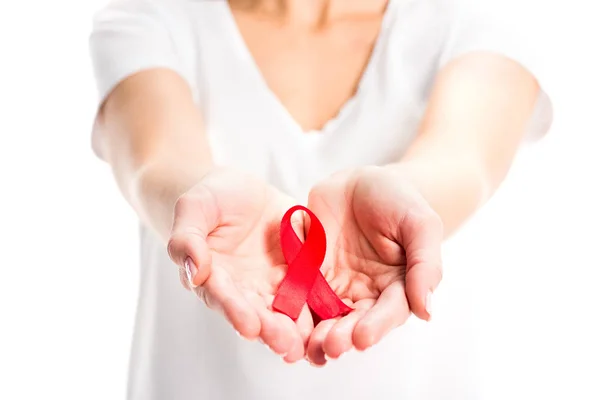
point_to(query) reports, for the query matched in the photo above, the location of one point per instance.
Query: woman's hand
(383, 256)
(225, 240)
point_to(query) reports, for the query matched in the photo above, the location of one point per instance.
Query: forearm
(455, 187)
(152, 183)
(151, 134)
(477, 116)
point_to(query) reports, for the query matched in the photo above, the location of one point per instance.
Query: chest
(312, 73)
(262, 88)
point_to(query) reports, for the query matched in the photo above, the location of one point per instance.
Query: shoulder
(129, 36)
(496, 32)
(509, 28)
(428, 35)
(170, 13)
(174, 15)
(183, 21)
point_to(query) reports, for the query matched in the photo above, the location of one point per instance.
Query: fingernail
(428, 303)
(190, 270)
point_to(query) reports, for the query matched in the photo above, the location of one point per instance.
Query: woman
(393, 121)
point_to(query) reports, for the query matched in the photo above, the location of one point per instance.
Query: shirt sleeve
(507, 29)
(129, 36)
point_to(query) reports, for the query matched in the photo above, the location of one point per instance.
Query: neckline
(345, 109)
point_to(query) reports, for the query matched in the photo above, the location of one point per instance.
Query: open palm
(228, 226)
(383, 256)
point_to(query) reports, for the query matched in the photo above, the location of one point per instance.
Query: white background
(68, 245)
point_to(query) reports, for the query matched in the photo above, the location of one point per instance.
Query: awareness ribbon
(303, 282)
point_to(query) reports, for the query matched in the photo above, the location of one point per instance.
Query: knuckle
(439, 270)
(424, 218)
(178, 247)
(173, 249)
(197, 198)
(425, 259)
(175, 245)
(424, 215)
(186, 202)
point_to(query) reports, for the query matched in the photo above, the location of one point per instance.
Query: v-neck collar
(240, 43)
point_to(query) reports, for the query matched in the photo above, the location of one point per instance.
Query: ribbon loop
(304, 282)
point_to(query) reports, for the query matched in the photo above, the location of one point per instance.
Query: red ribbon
(304, 282)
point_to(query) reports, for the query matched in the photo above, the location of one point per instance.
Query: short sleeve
(129, 36)
(504, 28)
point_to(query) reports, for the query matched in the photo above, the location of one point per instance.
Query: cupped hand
(383, 256)
(225, 239)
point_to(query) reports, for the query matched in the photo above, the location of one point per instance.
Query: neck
(312, 12)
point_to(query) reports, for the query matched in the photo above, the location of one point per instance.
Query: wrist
(453, 188)
(157, 186)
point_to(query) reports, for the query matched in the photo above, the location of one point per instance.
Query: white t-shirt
(183, 351)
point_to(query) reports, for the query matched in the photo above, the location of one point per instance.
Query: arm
(150, 132)
(477, 116)
(395, 219)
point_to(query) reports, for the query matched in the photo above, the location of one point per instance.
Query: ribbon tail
(324, 302)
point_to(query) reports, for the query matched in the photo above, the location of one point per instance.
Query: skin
(385, 224)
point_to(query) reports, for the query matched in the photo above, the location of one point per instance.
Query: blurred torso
(294, 105)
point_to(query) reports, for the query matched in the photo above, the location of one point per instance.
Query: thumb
(421, 236)
(195, 217)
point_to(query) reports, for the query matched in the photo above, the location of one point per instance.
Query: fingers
(339, 339)
(422, 237)
(305, 324)
(421, 282)
(314, 350)
(221, 294)
(296, 350)
(195, 216)
(278, 331)
(390, 310)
